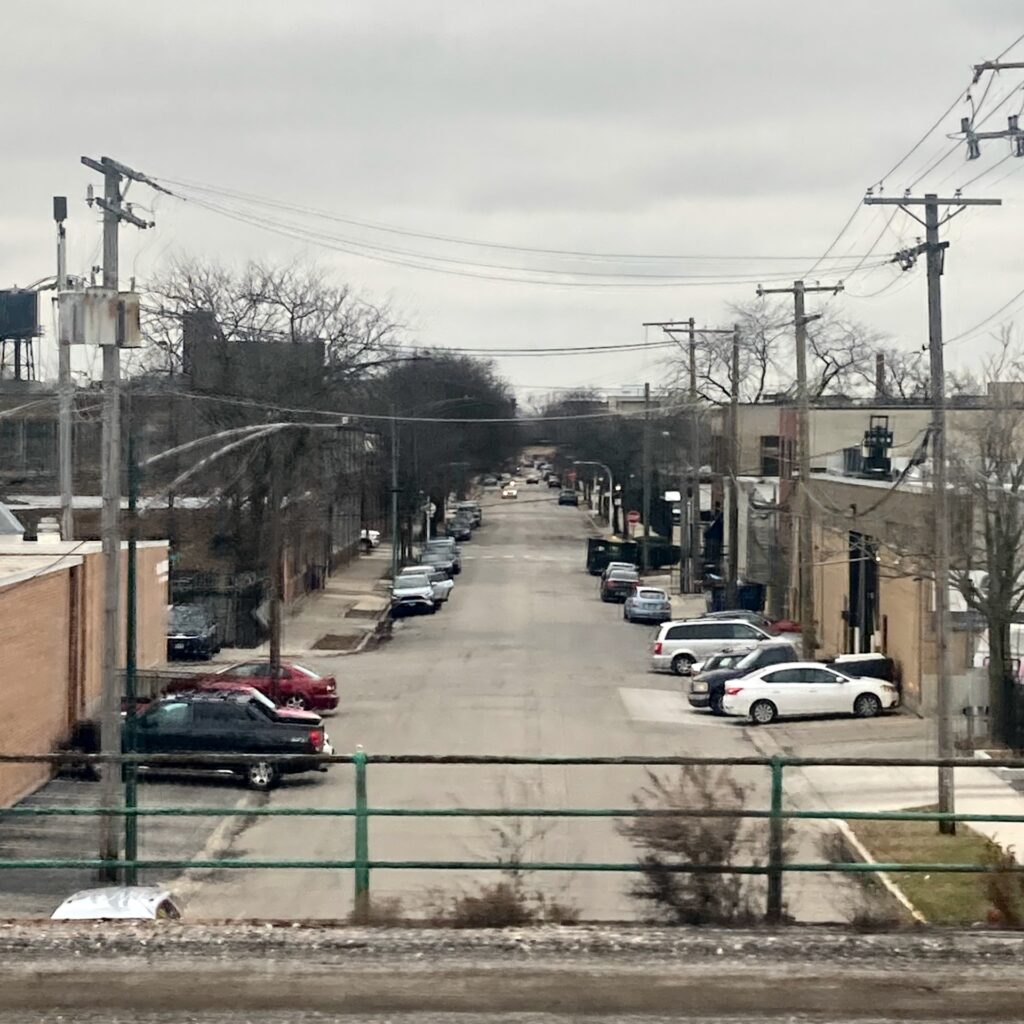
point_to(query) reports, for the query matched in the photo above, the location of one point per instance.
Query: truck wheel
(260, 775)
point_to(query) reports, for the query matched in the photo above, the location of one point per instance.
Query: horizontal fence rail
(361, 863)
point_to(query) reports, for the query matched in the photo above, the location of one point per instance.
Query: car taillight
(316, 737)
(731, 691)
(657, 647)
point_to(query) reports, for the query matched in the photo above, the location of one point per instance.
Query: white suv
(679, 644)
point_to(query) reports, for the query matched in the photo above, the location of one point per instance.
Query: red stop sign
(633, 517)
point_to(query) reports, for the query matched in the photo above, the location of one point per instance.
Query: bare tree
(988, 468)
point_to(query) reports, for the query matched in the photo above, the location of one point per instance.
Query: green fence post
(776, 851)
(362, 839)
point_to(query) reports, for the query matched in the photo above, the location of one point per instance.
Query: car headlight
(698, 686)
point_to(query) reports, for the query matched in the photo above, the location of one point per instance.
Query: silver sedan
(647, 604)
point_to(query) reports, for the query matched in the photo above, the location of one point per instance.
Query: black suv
(219, 722)
(708, 688)
(191, 633)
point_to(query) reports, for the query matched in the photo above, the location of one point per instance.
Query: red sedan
(296, 686)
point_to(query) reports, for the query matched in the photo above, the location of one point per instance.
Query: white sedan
(806, 688)
(510, 491)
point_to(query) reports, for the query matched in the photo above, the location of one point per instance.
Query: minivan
(679, 644)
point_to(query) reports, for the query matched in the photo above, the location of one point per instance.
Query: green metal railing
(362, 864)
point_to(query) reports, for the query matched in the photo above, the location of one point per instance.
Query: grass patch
(955, 899)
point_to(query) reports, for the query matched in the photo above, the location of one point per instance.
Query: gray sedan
(647, 604)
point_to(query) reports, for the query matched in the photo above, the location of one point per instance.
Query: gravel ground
(806, 947)
(447, 1018)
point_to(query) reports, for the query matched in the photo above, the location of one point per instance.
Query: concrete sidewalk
(334, 621)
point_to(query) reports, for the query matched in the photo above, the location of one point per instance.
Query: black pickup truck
(219, 722)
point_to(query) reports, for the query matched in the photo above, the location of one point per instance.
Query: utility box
(19, 313)
(112, 318)
(71, 310)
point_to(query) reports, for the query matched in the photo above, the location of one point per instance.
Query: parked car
(568, 498)
(510, 491)
(447, 547)
(806, 688)
(707, 688)
(472, 508)
(227, 722)
(747, 616)
(532, 478)
(412, 595)
(611, 566)
(459, 529)
(119, 903)
(490, 481)
(440, 582)
(679, 644)
(647, 604)
(723, 659)
(619, 584)
(554, 480)
(191, 633)
(369, 539)
(296, 686)
(438, 558)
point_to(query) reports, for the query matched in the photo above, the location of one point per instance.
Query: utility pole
(65, 387)
(693, 573)
(645, 561)
(804, 521)
(275, 509)
(733, 553)
(935, 252)
(110, 704)
(394, 492)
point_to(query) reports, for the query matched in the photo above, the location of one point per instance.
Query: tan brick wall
(34, 626)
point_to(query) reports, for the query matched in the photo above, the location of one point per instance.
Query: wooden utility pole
(275, 556)
(693, 558)
(733, 550)
(934, 250)
(803, 521)
(110, 533)
(65, 385)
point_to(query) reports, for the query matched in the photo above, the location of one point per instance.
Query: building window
(770, 455)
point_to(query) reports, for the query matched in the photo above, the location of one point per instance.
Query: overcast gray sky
(731, 128)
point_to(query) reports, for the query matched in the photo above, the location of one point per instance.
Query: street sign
(430, 508)
(633, 517)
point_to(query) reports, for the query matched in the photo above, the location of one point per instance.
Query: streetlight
(611, 487)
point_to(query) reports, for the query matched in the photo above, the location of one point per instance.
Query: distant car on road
(447, 547)
(647, 604)
(119, 903)
(619, 584)
(679, 644)
(510, 491)
(707, 687)
(532, 478)
(612, 566)
(369, 539)
(490, 481)
(806, 688)
(569, 498)
(191, 633)
(554, 480)
(459, 529)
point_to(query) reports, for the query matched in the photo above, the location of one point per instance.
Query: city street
(525, 660)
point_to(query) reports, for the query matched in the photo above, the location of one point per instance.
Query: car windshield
(414, 580)
(622, 574)
(652, 595)
(187, 616)
(434, 558)
(748, 660)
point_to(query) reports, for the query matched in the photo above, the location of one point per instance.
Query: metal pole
(733, 553)
(645, 560)
(941, 508)
(275, 511)
(131, 821)
(362, 837)
(805, 519)
(65, 387)
(776, 847)
(110, 711)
